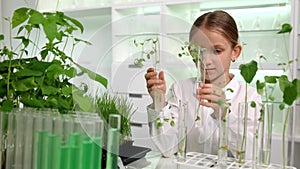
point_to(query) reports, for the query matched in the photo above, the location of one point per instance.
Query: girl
(217, 32)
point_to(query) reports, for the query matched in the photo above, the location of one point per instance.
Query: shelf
(228, 4)
(97, 10)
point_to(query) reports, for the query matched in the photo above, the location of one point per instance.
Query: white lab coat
(204, 138)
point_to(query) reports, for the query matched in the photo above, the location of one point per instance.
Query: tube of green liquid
(64, 157)
(53, 151)
(87, 155)
(75, 157)
(113, 141)
(97, 151)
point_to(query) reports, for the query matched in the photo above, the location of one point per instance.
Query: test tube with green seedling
(113, 141)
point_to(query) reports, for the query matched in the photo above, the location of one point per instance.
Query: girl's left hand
(212, 96)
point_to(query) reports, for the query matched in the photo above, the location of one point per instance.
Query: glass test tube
(157, 94)
(182, 131)
(200, 61)
(223, 137)
(113, 141)
(29, 138)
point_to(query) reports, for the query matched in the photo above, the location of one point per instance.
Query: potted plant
(39, 75)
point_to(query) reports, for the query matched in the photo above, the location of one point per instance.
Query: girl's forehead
(209, 38)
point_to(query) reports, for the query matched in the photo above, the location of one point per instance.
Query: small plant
(154, 44)
(108, 104)
(198, 55)
(248, 71)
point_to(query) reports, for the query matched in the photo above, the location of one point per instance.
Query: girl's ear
(236, 52)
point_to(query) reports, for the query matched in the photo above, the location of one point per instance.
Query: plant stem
(283, 137)
(245, 127)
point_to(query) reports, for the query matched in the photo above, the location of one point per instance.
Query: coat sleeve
(164, 134)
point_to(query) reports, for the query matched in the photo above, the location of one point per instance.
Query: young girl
(217, 33)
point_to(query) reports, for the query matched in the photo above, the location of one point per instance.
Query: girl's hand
(212, 96)
(154, 82)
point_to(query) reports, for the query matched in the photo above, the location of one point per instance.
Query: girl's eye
(217, 51)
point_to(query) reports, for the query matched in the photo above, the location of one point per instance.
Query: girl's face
(219, 55)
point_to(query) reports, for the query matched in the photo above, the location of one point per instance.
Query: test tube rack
(195, 160)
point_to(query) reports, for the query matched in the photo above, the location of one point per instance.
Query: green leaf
(50, 29)
(260, 87)
(253, 104)
(84, 102)
(24, 84)
(49, 90)
(71, 72)
(172, 123)
(7, 106)
(271, 79)
(19, 16)
(296, 82)
(36, 18)
(284, 82)
(28, 73)
(248, 71)
(281, 106)
(44, 53)
(67, 90)
(32, 102)
(285, 28)
(93, 75)
(1, 37)
(290, 94)
(75, 22)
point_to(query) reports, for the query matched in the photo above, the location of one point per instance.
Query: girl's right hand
(154, 82)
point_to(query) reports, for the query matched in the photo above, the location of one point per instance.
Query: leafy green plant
(154, 49)
(35, 74)
(289, 88)
(248, 72)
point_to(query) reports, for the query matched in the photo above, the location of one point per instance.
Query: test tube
(3, 134)
(182, 131)
(223, 121)
(87, 154)
(200, 60)
(53, 151)
(113, 141)
(10, 141)
(29, 139)
(97, 144)
(157, 94)
(19, 137)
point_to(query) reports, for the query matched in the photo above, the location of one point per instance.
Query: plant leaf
(24, 84)
(75, 22)
(36, 18)
(49, 90)
(32, 102)
(284, 82)
(50, 28)
(285, 28)
(290, 94)
(84, 102)
(248, 71)
(19, 16)
(93, 75)
(1, 37)
(7, 106)
(271, 79)
(28, 72)
(260, 87)
(296, 82)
